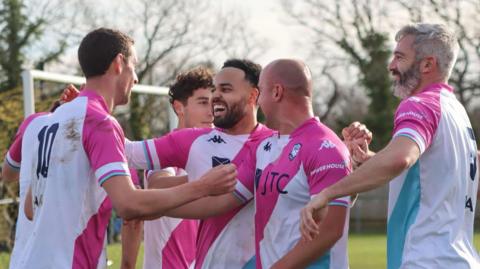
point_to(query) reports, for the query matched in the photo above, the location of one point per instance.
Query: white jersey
(13, 158)
(432, 204)
(169, 242)
(197, 151)
(287, 172)
(68, 155)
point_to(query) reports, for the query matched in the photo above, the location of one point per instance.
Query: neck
(428, 81)
(245, 125)
(102, 87)
(181, 123)
(292, 116)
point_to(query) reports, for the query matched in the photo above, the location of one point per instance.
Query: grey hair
(433, 40)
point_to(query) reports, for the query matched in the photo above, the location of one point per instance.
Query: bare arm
(9, 174)
(206, 207)
(148, 204)
(28, 206)
(306, 252)
(400, 154)
(163, 180)
(131, 239)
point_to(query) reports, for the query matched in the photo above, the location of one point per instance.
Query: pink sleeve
(14, 154)
(418, 120)
(247, 176)
(172, 149)
(326, 166)
(103, 141)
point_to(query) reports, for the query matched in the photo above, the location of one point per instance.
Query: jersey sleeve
(14, 154)
(417, 120)
(245, 187)
(158, 153)
(326, 167)
(104, 145)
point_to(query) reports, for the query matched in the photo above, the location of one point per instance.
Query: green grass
(367, 251)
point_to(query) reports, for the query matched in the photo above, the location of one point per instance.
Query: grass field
(367, 251)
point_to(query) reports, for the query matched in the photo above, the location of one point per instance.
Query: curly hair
(186, 83)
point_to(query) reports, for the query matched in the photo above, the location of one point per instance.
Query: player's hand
(220, 179)
(357, 138)
(69, 93)
(357, 131)
(311, 215)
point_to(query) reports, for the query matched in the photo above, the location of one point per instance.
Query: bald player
(284, 170)
(290, 168)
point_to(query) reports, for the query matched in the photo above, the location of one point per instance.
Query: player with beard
(431, 161)
(75, 159)
(226, 240)
(226, 233)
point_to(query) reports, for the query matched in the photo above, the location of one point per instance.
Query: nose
(216, 93)
(135, 78)
(391, 65)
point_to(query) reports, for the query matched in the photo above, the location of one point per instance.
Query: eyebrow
(226, 84)
(399, 53)
(202, 98)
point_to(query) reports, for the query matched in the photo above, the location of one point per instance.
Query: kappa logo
(217, 139)
(327, 144)
(267, 146)
(294, 152)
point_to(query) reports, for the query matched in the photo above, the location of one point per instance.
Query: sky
(269, 20)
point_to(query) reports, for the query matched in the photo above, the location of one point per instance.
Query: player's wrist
(202, 187)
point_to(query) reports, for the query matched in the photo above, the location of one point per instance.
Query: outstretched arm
(400, 154)
(150, 204)
(306, 252)
(206, 207)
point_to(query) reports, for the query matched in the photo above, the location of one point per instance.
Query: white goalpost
(28, 77)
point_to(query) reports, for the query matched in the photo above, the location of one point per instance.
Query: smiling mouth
(218, 109)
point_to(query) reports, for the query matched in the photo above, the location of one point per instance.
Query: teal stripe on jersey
(147, 155)
(403, 216)
(322, 263)
(250, 264)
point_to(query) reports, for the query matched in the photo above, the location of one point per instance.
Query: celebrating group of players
(224, 191)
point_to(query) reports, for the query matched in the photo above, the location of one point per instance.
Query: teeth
(218, 107)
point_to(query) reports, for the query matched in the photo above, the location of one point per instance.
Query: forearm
(305, 253)
(28, 205)
(398, 156)
(9, 174)
(151, 204)
(163, 182)
(372, 174)
(131, 238)
(205, 207)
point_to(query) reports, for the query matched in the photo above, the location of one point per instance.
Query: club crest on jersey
(216, 161)
(294, 152)
(217, 139)
(327, 144)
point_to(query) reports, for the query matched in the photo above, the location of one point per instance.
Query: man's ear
(253, 98)
(277, 92)
(117, 63)
(428, 65)
(178, 108)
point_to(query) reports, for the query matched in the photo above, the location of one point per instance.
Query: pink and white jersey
(13, 158)
(289, 171)
(68, 155)
(432, 204)
(170, 242)
(225, 241)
